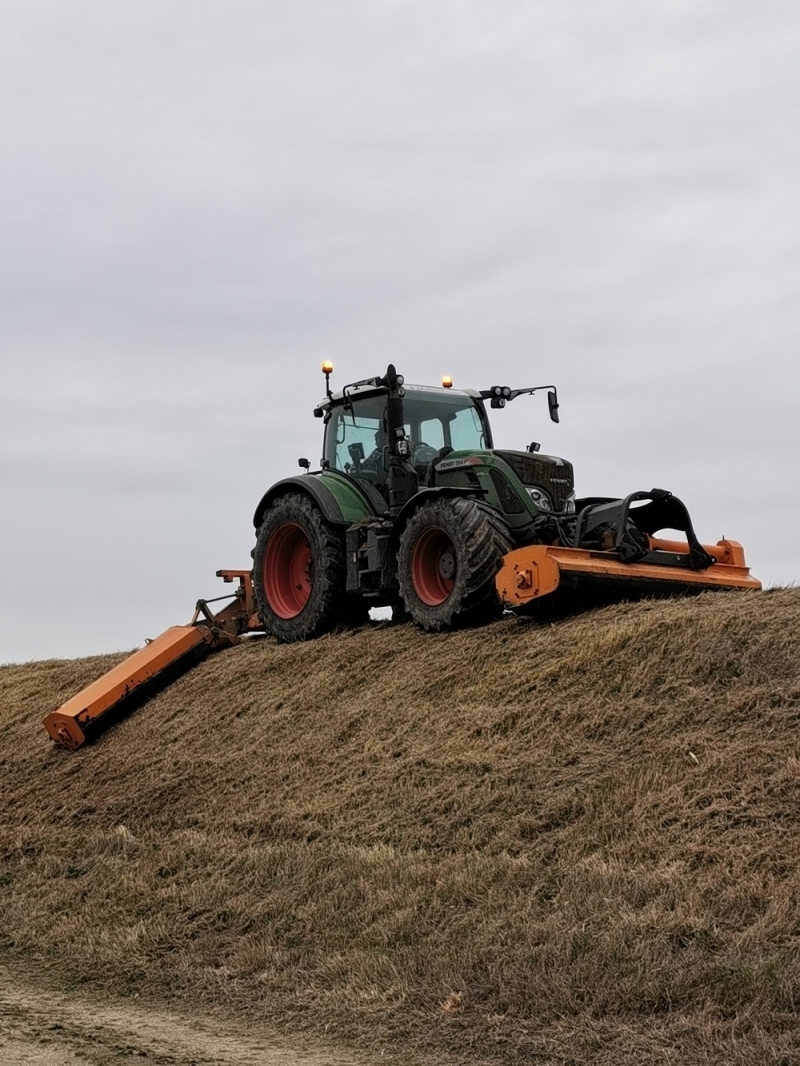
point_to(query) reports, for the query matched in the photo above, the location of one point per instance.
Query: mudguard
(341, 499)
(435, 493)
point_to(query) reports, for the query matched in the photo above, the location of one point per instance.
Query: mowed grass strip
(574, 840)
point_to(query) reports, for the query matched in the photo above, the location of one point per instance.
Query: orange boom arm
(176, 650)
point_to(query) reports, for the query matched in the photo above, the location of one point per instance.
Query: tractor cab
(436, 421)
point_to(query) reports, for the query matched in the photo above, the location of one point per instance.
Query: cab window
(355, 438)
(443, 422)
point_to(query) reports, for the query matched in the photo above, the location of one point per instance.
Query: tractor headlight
(569, 503)
(540, 498)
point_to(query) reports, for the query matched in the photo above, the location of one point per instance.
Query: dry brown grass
(571, 843)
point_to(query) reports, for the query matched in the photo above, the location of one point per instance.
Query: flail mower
(413, 508)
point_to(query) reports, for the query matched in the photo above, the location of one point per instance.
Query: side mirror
(552, 403)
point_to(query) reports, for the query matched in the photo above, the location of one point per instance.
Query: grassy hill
(568, 842)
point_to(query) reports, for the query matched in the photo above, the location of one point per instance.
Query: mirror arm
(501, 395)
(529, 392)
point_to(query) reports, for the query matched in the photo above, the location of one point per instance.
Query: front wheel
(299, 571)
(449, 554)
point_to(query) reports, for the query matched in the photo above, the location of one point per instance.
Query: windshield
(355, 439)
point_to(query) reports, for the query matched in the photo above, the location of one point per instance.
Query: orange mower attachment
(152, 667)
(539, 570)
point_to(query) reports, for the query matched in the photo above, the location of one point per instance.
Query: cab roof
(361, 391)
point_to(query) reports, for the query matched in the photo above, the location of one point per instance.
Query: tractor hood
(547, 472)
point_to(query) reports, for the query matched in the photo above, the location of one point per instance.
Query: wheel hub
(288, 570)
(447, 566)
(433, 566)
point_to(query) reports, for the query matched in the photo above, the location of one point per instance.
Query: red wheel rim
(286, 571)
(433, 567)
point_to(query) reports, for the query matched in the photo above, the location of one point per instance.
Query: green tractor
(414, 508)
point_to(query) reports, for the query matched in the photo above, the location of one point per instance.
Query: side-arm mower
(154, 666)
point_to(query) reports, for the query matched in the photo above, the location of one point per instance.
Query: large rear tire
(449, 554)
(299, 572)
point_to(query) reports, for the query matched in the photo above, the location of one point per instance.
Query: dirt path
(43, 1028)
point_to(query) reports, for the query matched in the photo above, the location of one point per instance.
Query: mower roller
(414, 508)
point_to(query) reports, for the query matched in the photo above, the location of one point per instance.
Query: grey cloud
(201, 201)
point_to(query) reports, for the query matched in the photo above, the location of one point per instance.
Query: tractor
(415, 509)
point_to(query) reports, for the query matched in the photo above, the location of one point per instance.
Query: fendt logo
(458, 464)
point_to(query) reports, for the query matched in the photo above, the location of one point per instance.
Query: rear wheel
(449, 554)
(299, 572)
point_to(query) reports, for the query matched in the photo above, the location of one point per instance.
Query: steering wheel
(424, 454)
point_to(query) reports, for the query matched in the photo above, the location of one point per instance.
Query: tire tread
(481, 538)
(329, 606)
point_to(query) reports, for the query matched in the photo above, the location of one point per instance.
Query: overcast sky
(200, 201)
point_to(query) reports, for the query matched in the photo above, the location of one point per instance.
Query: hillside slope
(576, 842)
